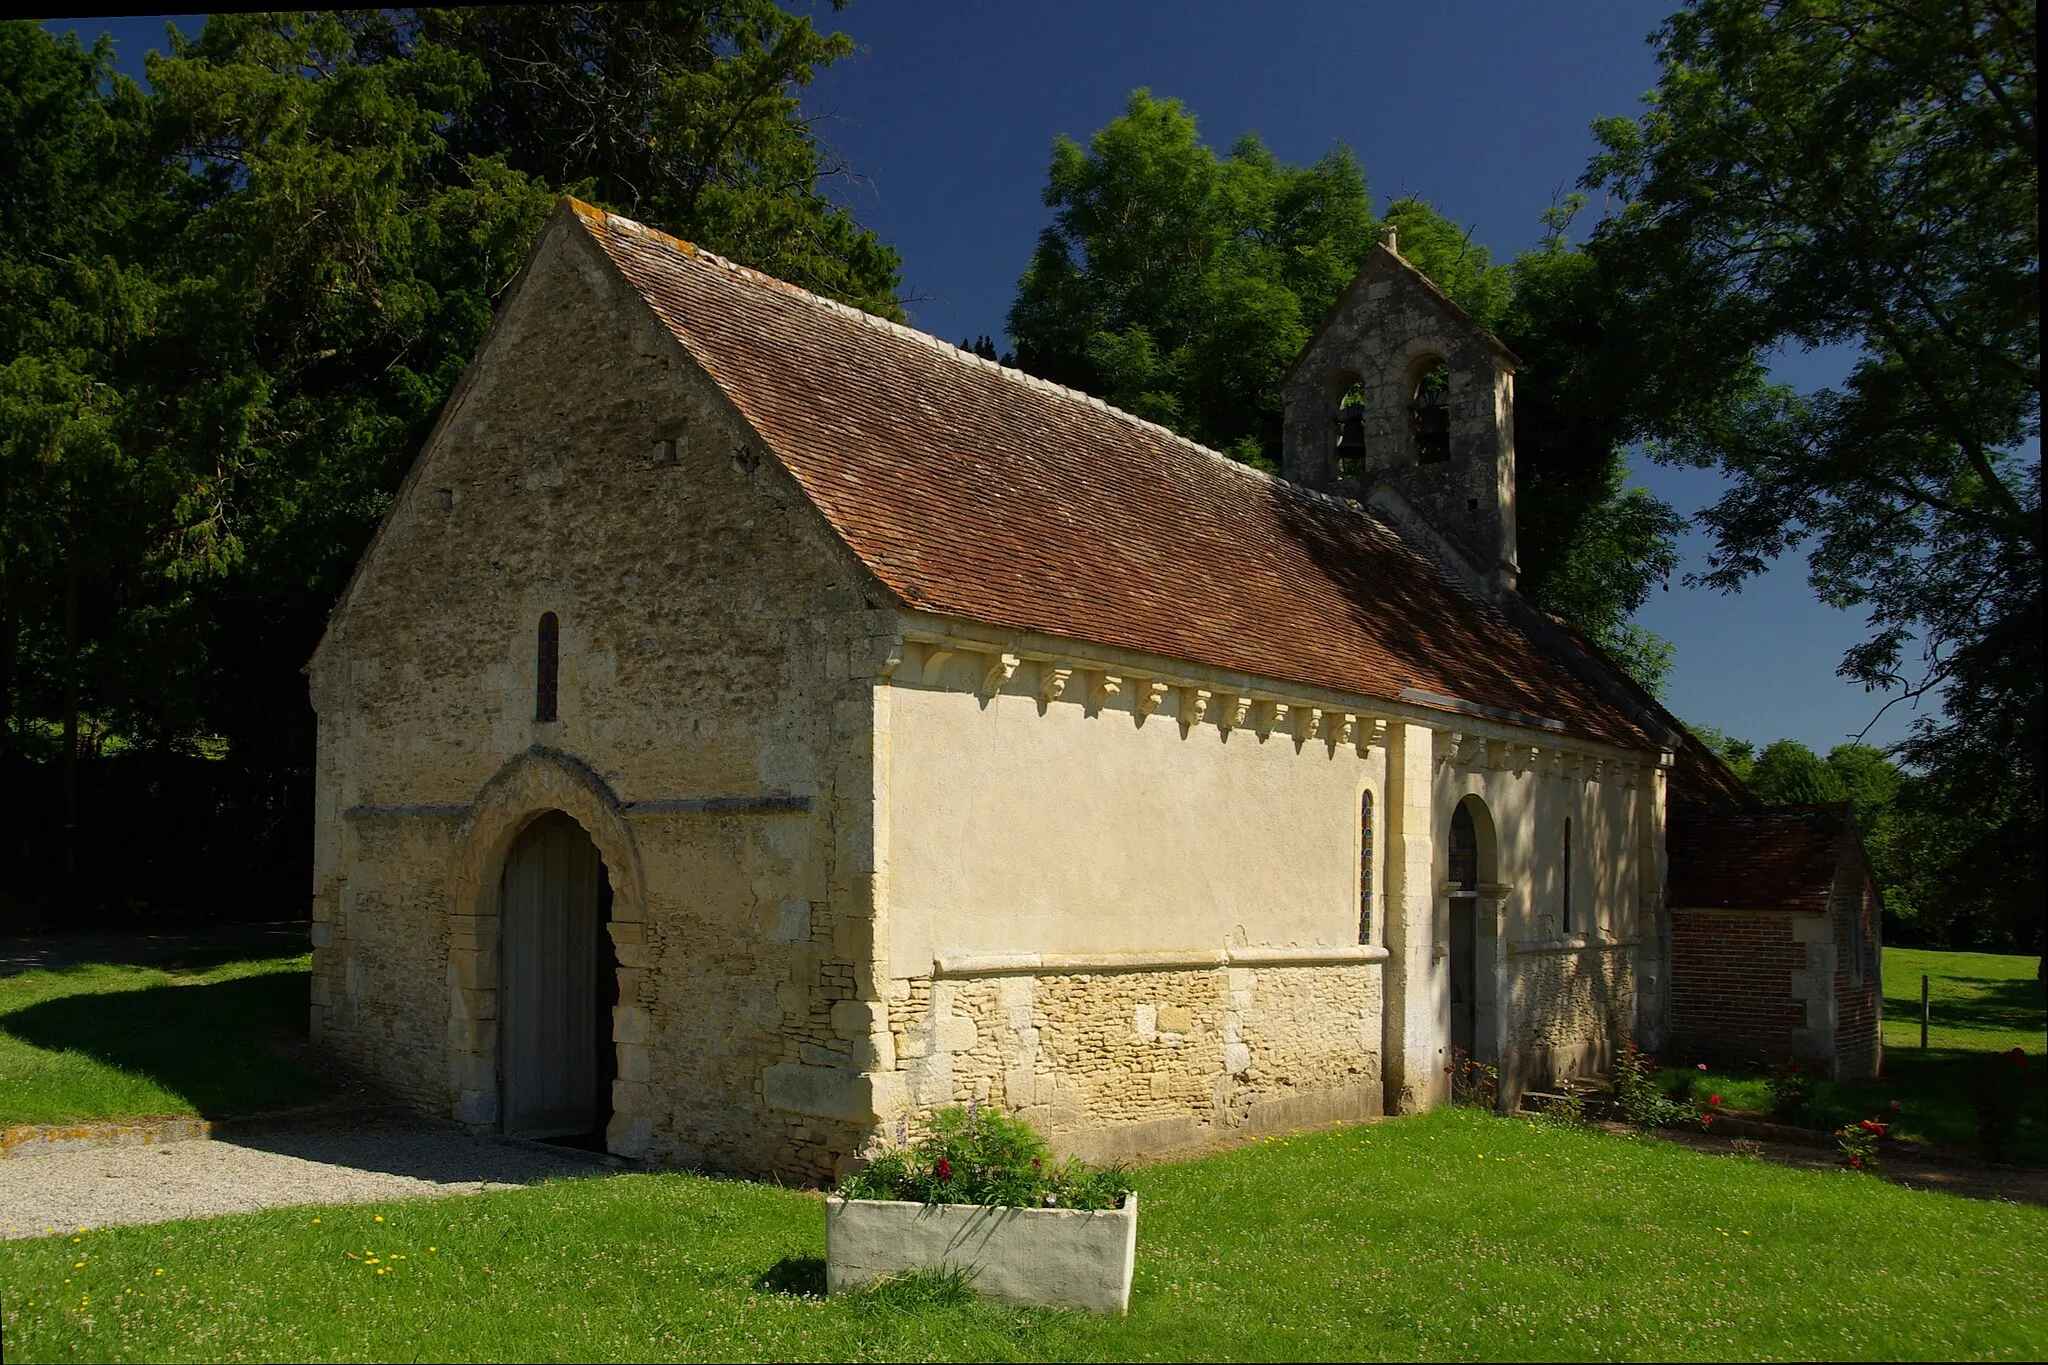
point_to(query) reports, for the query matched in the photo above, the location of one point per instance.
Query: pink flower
(1895, 1104)
(1703, 1066)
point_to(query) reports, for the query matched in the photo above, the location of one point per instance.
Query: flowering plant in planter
(977, 1156)
(982, 1198)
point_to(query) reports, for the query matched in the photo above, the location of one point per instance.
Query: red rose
(1713, 1099)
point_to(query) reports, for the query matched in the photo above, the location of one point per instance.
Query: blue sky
(947, 113)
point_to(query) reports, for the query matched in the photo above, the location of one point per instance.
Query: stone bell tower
(1400, 392)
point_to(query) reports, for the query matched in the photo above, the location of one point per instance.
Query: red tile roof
(1783, 858)
(979, 492)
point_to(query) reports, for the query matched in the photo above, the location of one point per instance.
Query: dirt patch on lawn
(1915, 1168)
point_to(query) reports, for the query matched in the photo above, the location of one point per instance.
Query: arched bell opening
(1429, 409)
(560, 984)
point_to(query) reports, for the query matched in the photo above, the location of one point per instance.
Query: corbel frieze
(1105, 689)
(1237, 709)
(1194, 704)
(1269, 716)
(1151, 692)
(1308, 722)
(935, 661)
(1053, 680)
(999, 670)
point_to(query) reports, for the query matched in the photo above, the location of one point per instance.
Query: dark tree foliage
(1864, 175)
(233, 306)
(1179, 285)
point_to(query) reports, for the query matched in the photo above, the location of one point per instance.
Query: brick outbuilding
(1775, 934)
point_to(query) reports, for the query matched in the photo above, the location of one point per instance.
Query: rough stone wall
(1732, 979)
(1570, 1009)
(1121, 1063)
(717, 646)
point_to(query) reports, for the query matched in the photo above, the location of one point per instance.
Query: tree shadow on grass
(222, 1046)
(800, 1276)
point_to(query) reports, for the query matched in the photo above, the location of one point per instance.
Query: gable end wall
(715, 644)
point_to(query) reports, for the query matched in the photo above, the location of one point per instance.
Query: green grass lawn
(1982, 1003)
(1450, 1235)
(100, 1042)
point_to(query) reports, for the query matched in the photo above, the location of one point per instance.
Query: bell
(1351, 425)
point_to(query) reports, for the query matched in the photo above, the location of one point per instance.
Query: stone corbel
(1553, 763)
(1526, 756)
(1270, 716)
(1373, 734)
(1344, 729)
(1448, 745)
(1308, 722)
(1001, 668)
(1151, 692)
(1105, 690)
(1194, 704)
(1052, 681)
(888, 655)
(935, 661)
(1236, 707)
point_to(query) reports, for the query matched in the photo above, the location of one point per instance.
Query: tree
(685, 114)
(1861, 175)
(1787, 773)
(234, 306)
(1180, 285)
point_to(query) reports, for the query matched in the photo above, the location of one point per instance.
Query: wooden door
(548, 1010)
(1462, 992)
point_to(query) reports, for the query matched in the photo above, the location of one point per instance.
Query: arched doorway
(556, 1060)
(1464, 880)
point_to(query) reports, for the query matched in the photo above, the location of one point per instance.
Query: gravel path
(69, 1190)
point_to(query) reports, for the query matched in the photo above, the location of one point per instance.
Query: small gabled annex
(757, 723)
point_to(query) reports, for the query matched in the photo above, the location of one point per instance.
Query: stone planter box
(1038, 1258)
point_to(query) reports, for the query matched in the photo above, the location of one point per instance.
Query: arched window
(1365, 867)
(1464, 849)
(1429, 414)
(547, 668)
(1566, 919)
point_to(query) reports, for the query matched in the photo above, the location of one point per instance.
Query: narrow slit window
(1365, 868)
(547, 670)
(1567, 875)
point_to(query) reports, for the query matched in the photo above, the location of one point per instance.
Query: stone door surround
(532, 784)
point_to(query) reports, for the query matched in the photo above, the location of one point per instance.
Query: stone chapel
(757, 723)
